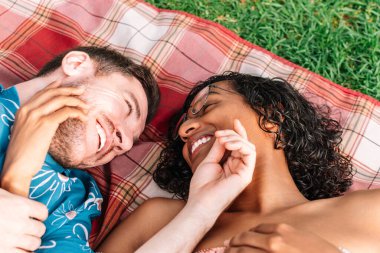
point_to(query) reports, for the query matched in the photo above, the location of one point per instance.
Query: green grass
(338, 39)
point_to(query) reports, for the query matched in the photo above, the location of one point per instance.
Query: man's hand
(215, 186)
(21, 224)
(35, 125)
(279, 238)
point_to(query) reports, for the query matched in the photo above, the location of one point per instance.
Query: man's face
(116, 118)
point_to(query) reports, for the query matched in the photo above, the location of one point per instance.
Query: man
(85, 107)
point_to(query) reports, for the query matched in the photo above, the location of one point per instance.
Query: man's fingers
(15, 250)
(240, 146)
(225, 133)
(233, 141)
(65, 113)
(239, 128)
(216, 153)
(45, 95)
(60, 102)
(54, 84)
(245, 148)
(29, 243)
(37, 210)
(34, 228)
(241, 150)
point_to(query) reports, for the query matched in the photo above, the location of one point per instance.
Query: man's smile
(102, 136)
(104, 129)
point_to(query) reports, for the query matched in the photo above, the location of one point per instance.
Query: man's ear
(77, 63)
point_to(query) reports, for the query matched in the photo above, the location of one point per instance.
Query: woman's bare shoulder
(157, 206)
(365, 203)
(362, 195)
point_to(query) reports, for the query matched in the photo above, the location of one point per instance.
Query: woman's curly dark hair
(309, 138)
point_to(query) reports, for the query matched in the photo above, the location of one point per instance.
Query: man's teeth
(200, 142)
(102, 136)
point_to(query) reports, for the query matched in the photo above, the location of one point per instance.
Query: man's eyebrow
(138, 111)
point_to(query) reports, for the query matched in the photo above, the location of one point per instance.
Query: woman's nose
(187, 128)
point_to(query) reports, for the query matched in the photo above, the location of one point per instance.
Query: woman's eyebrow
(212, 92)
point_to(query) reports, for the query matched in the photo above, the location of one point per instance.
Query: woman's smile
(196, 144)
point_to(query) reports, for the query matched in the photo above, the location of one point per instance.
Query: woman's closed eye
(207, 107)
(210, 104)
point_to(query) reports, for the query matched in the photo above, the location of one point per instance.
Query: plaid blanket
(181, 50)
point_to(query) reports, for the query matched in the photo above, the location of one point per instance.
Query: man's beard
(67, 142)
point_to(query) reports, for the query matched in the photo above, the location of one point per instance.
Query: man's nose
(123, 141)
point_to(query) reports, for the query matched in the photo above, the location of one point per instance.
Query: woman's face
(222, 106)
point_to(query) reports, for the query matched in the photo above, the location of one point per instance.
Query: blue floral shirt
(71, 195)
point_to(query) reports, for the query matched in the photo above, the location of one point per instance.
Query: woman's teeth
(200, 142)
(102, 136)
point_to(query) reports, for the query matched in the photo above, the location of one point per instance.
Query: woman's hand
(279, 238)
(215, 186)
(35, 125)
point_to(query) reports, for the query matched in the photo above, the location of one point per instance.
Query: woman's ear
(276, 129)
(272, 127)
(77, 63)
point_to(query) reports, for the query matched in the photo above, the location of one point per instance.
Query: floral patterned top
(71, 195)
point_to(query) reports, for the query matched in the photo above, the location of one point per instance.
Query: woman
(294, 201)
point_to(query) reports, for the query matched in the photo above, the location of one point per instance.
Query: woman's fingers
(251, 239)
(244, 249)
